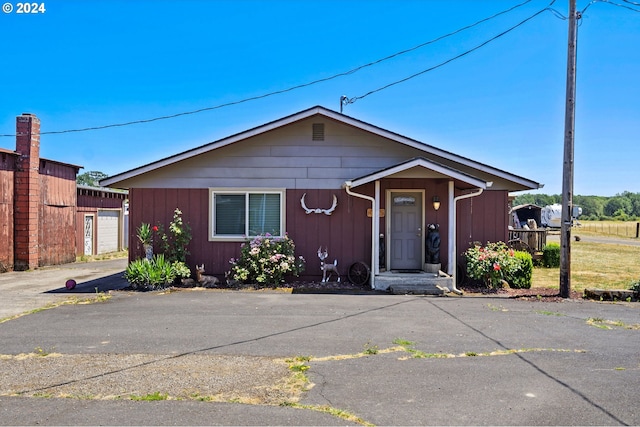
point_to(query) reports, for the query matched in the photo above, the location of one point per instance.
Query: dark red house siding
(156, 206)
(482, 219)
(345, 233)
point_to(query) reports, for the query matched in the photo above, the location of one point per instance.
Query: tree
(617, 206)
(541, 200)
(634, 199)
(91, 178)
(592, 206)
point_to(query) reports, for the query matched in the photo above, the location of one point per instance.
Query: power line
(613, 4)
(292, 88)
(354, 99)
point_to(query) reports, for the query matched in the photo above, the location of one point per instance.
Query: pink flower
(496, 266)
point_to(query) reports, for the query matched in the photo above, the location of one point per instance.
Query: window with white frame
(237, 214)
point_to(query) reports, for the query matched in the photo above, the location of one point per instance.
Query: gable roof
(519, 183)
(422, 163)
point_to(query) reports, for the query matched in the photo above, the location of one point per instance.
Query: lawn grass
(595, 265)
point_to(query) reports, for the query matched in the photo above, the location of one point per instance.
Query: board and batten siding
(346, 233)
(482, 219)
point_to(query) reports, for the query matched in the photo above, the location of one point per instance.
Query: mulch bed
(305, 287)
(535, 294)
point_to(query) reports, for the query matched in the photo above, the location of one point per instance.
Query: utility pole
(567, 168)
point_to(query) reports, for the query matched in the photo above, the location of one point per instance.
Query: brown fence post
(637, 229)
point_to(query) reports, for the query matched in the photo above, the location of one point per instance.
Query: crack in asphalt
(217, 347)
(533, 365)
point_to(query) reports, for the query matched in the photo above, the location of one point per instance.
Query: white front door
(406, 231)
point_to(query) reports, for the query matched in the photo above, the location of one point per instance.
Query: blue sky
(92, 63)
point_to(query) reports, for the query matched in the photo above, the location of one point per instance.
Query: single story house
(328, 180)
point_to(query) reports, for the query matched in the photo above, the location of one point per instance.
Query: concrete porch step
(414, 283)
(416, 290)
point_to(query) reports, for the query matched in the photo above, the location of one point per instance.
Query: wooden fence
(612, 228)
(530, 240)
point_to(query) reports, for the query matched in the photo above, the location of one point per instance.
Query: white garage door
(108, 231)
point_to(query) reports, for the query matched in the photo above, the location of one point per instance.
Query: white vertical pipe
(455, 250)
(374, 219)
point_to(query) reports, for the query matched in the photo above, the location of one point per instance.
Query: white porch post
(451, 235)
(376, 230)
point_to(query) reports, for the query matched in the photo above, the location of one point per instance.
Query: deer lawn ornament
(318, 210)
(204, 280)
(327, 269)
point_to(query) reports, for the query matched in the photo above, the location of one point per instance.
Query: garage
(108, 231)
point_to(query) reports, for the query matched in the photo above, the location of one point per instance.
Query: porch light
(436, 203)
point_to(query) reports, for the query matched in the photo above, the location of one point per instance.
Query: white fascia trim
(452, 173)
(431, 149)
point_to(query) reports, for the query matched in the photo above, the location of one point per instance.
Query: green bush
(143, 274)
(551, 255)
(521, 278)
(181, 269)
(635, 287)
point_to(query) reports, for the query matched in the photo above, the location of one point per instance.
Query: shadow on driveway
(111, 282)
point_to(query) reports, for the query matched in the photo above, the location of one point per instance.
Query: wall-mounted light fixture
(436, 203)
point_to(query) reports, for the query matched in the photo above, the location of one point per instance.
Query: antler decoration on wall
(318, 210)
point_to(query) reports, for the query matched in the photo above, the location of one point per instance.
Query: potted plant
(146, 238)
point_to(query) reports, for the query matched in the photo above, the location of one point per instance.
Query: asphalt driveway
(466, 360)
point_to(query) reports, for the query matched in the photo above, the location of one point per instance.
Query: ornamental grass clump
(266, 260)
(144, 274)
(492, 264)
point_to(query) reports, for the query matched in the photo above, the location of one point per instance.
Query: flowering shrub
(174, 245)
(492, 263)
(181, 269)
(265, 260)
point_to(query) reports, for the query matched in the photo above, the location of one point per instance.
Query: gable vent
(317, 132)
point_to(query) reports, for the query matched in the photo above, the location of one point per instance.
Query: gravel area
(257, 380)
